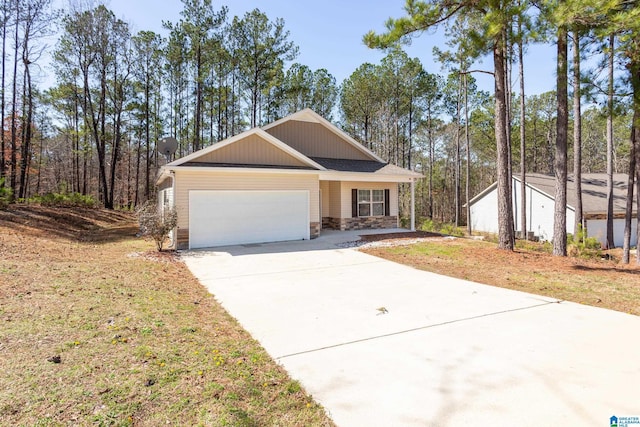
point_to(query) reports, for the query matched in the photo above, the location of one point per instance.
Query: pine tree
(496, 18)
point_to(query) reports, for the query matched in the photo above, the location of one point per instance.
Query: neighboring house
(540, 198)
(285, 181)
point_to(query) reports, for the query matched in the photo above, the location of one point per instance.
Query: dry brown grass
(139, 340)
(601, 283)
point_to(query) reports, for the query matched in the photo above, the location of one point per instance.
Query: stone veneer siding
(360, 223)
(314, 229)
(182, 238)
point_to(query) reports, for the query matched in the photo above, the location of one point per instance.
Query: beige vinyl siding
(348, 186)
(221, 180)
(325, 194)
(335, 199)
(251, 150)
(315, 140)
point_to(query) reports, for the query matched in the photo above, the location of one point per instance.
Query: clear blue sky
(329, 33)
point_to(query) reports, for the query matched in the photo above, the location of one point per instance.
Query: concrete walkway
(446, 352)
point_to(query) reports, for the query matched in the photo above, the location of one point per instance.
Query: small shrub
(582, 246)
(64, 200)
(156, 224)
(444, 228)
(5, 195)
(428, 225)
(451, 230)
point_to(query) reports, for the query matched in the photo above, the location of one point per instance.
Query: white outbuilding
(540, 198)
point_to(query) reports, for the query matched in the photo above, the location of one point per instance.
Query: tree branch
(477, 71)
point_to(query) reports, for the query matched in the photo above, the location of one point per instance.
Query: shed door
(219, 218)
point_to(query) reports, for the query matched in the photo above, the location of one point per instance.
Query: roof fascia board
(322, 175)
(210, 169)
(363, 176)
(483, 193)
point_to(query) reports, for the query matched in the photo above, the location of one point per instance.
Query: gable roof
(308, 120)
(264, 136)
(594, 190)
(264, 148)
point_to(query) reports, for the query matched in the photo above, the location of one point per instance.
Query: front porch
(356, 205)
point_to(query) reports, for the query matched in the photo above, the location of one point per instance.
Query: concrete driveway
(446, 352)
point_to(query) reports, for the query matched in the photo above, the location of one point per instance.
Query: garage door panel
(218, 218)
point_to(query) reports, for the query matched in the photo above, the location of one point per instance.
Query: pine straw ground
(96, 328)
(601, 282)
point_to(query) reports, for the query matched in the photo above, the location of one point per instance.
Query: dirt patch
(76, 224)
(165, 256)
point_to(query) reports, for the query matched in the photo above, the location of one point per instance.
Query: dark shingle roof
(368, 166)
(594, 190)
(347, 165)
(339, 165)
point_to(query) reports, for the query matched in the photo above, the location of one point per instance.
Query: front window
(370, 202)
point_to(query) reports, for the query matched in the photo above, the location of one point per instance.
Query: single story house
(540, 198)
(287, 180)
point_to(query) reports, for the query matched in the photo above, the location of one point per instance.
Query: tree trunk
(431, 155)
(628, 213)
(410, 130)
(5, 19)
(637, 153)
(147, 138)
(505, 204)
(136, 193)
(577, 137)
(14, 106)
(40, 163)
(523, 152)
(98, 128)
(75, 141)
(634, 168)
(468, 152)
(507, 92)
(198, 109)
(457, 155)
(560, 163)
(25, 151)
(610, 244)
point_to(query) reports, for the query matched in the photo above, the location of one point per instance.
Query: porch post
(413, 205)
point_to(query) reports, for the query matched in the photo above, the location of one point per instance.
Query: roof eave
(262, 170)
(331, 175)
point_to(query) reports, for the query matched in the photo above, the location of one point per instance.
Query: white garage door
(219, 218)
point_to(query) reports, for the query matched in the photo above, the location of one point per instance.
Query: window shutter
(354, 203)
(387, 208)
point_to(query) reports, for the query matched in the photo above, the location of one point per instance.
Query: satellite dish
(168, 146)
